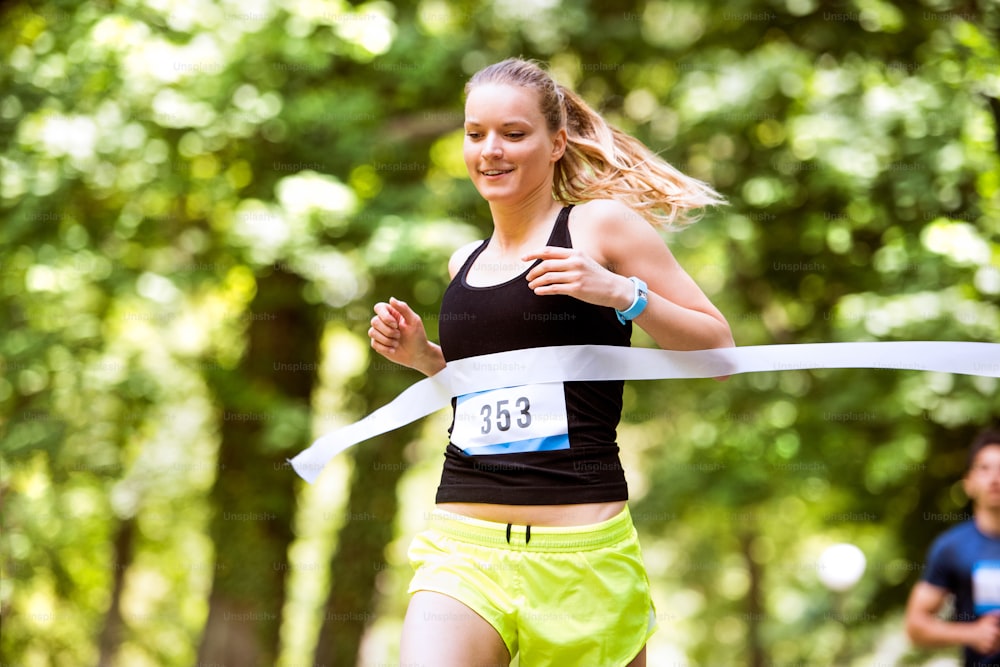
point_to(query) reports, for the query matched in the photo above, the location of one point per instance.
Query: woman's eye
(515, 135)
(472, 135)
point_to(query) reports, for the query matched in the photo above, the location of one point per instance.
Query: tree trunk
(372, 504)
(264, 403)
(114, 627)
(755, 603)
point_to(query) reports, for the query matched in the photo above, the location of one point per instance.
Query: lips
(494, 172)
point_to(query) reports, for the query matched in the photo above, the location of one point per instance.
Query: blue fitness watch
(639, 301)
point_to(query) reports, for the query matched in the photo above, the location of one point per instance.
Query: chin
(493, 195)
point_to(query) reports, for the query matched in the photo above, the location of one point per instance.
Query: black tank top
(565, 455)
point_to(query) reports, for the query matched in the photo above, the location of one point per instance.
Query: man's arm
(925, 628)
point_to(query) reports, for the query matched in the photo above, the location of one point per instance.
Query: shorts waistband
(519, 537)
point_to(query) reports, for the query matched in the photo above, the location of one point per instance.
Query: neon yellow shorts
(561, 596)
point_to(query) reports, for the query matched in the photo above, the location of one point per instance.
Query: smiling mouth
(494, 172)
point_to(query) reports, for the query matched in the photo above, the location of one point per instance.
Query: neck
(988, 520)
(517, 225)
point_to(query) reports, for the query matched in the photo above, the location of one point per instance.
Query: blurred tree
(265, 404)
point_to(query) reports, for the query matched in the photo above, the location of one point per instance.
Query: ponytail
(601, 161)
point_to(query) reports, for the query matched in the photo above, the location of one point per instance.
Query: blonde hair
(601, 161)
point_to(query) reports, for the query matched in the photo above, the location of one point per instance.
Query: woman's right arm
(397, 332)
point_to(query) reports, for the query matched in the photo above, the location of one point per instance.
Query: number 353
(501, 416)
(510, 414)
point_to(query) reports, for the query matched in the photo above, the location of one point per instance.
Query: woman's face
(508, 149)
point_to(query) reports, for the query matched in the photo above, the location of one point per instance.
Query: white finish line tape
(603, 362)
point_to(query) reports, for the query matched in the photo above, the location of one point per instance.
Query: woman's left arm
(610, 243)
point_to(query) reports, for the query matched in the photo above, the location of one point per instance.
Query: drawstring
(527, 533)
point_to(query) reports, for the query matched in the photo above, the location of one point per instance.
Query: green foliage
(171, 175)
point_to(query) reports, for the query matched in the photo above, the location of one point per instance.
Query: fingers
(565, 275)
(386, 313)
(552, 279)
(988, 640)
(548, 252)
(387, 319)
(560, 261)
(403, 311)
(384, 332)
(394, 326)
(383, 342)
(995, 631)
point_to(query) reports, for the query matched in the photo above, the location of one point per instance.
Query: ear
(559, 141)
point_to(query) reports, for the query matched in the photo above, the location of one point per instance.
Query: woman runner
(531, 549)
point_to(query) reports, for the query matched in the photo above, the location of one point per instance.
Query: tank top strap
(560, 231)
(464, 271)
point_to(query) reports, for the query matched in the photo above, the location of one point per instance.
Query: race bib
(986, 586)
(527, 418)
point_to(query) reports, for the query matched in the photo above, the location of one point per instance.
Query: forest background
(201, 202)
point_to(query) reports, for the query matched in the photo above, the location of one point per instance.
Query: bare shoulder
(613, 221)
(459, 256)
(604, 213)
(614, 228)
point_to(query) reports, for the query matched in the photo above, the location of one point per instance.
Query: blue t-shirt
(966, 562)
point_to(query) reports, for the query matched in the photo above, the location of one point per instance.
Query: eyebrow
(506, 124)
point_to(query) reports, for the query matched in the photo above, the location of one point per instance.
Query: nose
(492, 147)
